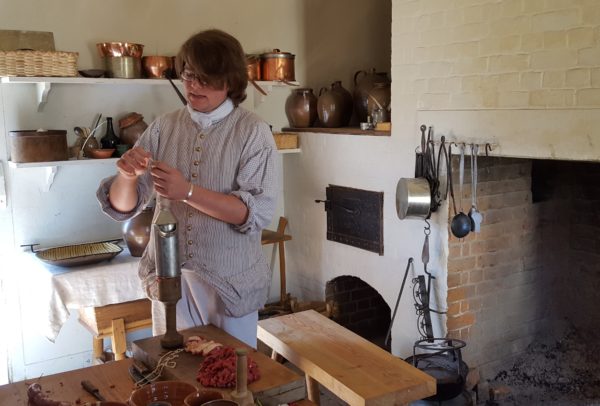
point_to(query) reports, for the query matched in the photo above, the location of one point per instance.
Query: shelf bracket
(50, 173)
(42, 88)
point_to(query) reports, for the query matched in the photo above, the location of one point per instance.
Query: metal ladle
(461, 223)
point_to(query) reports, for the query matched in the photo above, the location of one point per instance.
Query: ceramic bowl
(106, 49)
(100, 153)
(92, 73)
(202, 396)
(173, 392)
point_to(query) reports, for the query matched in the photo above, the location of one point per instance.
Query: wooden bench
(115, 321)
(352, 368)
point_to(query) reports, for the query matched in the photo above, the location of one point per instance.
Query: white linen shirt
(233, 156)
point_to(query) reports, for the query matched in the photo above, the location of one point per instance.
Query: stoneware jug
(378, 99)
(301, 108)
(330, 108)
(363, 84)
(347, 97)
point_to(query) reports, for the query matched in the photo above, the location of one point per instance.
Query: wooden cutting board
(277, 384)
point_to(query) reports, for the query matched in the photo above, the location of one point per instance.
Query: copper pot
(106, 49)
(277, 65)
(156, 67)
(253, 67)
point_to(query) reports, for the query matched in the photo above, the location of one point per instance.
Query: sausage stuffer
(168, 270)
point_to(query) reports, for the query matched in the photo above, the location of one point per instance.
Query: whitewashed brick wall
(509, 54)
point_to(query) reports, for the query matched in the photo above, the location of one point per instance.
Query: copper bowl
(106, 49)
(100, 153)
(157, 66)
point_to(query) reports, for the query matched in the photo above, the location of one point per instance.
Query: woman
(215, 161)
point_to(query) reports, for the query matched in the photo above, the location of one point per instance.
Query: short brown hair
(218, 59)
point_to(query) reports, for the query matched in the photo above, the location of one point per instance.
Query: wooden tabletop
(112, 379)
(354, 369)
(277, 384)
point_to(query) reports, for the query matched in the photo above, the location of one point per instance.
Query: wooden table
(354, 369)
(278, 384)
(112, 379)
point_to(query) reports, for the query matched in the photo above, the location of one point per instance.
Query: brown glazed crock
(131, 127)
(364, 82)
(301, 108)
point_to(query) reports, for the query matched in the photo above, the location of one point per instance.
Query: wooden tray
(81, 254)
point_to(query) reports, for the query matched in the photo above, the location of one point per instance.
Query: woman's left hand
(169, 182)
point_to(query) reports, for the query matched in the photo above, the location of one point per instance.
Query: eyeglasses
(191, 77)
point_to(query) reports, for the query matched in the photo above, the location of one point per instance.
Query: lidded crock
(131, 127)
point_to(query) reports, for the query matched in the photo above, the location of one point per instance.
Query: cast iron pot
(445, 365)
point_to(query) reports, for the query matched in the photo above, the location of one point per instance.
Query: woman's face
(200, 96)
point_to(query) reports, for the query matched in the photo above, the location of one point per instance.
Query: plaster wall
(331, 41)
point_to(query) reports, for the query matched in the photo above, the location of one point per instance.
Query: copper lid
(130, 119)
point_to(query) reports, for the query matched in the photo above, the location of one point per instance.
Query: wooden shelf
(340, 130)
(44, 84)
(84, 161)
(91, 161)
(112, 81)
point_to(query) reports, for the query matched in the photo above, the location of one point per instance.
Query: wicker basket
(38, 63)
(286, 140)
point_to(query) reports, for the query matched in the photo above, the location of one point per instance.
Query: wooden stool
(279, 237)
(115, 321)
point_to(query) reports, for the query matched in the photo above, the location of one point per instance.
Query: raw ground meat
(218, 369)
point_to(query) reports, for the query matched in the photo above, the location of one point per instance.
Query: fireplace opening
(523, 290)
(357, 306)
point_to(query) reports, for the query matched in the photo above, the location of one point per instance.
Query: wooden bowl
(173, 392)
(100, 153)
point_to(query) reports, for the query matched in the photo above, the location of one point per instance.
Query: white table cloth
(47, 292)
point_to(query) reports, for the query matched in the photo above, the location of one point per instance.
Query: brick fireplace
(357, 306)
(535, 267)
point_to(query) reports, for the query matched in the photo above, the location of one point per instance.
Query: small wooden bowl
(100, 153)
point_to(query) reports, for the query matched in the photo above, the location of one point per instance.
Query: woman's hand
(168, 181)
(134, 163)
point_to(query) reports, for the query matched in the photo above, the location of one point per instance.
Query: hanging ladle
(461, 223)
